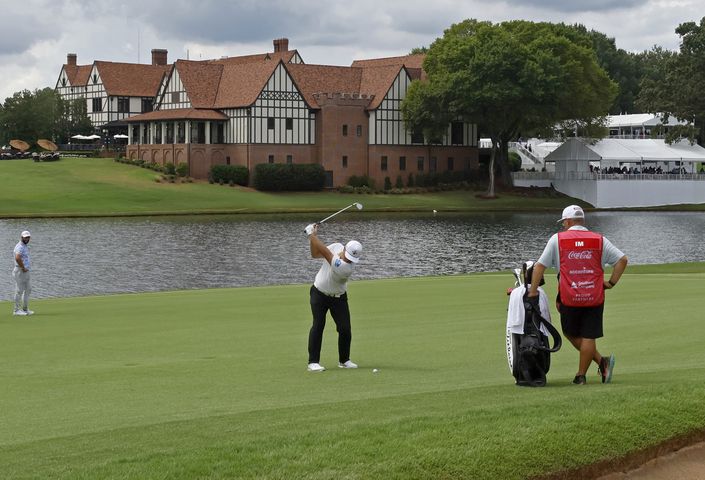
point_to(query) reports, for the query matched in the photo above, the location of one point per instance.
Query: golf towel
(516, 312)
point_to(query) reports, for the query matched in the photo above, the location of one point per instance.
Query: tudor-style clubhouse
(268, 108)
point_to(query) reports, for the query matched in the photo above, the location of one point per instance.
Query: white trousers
(22, 288)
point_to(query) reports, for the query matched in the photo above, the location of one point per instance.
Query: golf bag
(529, 353)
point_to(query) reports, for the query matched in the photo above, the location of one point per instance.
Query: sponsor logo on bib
(583, 255)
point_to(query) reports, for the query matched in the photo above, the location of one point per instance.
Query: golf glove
(310, 229)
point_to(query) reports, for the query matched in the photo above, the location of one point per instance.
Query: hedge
(229, 173)
(289, 177)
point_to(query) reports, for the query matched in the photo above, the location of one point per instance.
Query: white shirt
(332, 278)
(516, 312)
(551, 258)
(23, 250)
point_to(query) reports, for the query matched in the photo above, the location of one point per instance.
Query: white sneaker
(19, 312)
(348, 364)
(28, 312)
(315, 367)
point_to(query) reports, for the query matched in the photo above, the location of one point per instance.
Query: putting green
(213, 383)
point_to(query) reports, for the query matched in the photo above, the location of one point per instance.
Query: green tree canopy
(511, 77)
(30, 116)
(673, 82)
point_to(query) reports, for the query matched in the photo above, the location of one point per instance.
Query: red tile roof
(179, 114)
(229, 82)
(241, 84)
(310, 79)
(131, 79)
(78, 74)
(273, 56)
(201, 80)
(409, 61)
(378, 81)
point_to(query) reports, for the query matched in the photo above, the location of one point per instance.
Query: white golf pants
(22, 288)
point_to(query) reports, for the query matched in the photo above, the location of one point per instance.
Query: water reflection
(95, 256)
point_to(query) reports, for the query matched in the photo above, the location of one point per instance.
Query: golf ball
(374, 370)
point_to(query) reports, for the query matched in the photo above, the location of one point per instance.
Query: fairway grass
(102, 187)
(213, 384)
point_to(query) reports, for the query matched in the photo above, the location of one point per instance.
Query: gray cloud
(35, 43)
(578, 6)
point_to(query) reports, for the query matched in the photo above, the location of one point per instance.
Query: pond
(75, 257)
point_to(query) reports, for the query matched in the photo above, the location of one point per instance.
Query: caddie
(579, 255)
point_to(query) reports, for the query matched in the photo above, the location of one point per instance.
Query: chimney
(159, 56)
(71, 59)
(281, 44)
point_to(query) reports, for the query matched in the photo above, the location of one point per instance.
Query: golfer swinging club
(579, 255)
(329, 292)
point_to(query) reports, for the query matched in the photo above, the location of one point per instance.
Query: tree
(41, 114)
(508, 78)
(672, 83)
(624, 68)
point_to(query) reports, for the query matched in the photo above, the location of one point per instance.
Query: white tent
(120, 135)
(576, 154)
(79, 137)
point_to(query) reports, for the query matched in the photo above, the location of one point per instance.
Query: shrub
(514, 162)
(346, 189)
(399, 184)
(410, 183)
(182, 169)
(289, 177)
(238, 174)
(170, 169)
(361, 181)
(387, 184)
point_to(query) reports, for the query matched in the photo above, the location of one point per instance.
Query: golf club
(356, 205)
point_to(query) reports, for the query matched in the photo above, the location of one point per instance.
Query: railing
(638, 136)
(79, 146)
(607, 176)
(526, 152)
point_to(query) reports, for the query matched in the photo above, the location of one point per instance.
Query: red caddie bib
(582, 276)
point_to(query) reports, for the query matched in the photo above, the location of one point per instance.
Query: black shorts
(582, 322)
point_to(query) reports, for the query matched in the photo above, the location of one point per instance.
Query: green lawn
(213, 384)
(101, 187)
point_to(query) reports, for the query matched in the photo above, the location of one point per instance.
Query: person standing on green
(21, 275)
(579, 255)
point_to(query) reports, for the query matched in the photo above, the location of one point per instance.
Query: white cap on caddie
(26, 234)
(353, 249)
(572, 212)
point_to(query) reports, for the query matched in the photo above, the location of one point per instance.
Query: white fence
(616, 190)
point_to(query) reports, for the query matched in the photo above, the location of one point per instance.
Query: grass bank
(102, 187)
(213, 384)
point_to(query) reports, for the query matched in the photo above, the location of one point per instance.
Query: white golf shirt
(332, 278)
(23, 250)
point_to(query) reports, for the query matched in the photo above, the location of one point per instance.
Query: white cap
(25, 234)
(572, 212)
(353, 249)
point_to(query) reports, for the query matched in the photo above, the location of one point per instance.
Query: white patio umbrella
(79, 137)
(93, 137)
(120, 135)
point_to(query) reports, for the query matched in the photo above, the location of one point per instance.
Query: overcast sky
(36, 35)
